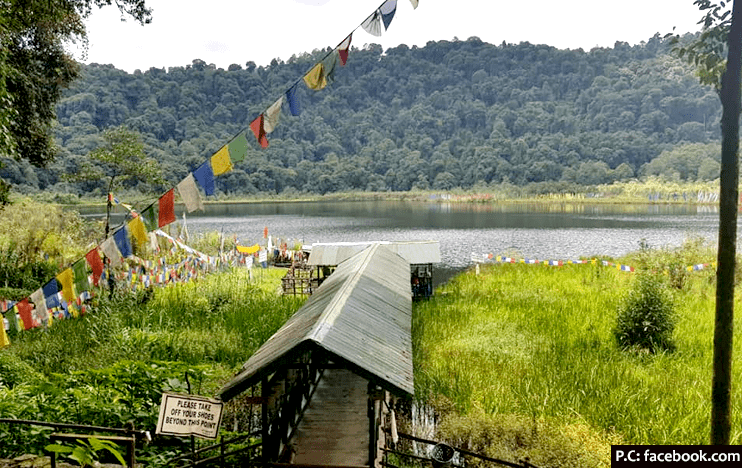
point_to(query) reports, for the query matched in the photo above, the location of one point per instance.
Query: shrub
(14, 371)
(646, 316)
(511, 437)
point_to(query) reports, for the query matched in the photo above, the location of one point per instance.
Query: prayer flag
(188, 191)
(329, 64)
(293, 101)
(110, 250)
(167, 208)
(315, 78)
(150, 217)
(414, 4)
(220, 162)
(387, 11)
(372, 24)
(272, 115)
(4, 341)
(259, 130)
(238, 148)
(66, 279)
(121, 238)
(343, 49)
(153, 242)
(50, 293)
(81, 276)
(205, 177)
(96, 264)
(24, 310)
(41, 313)
(13, 326)
(138, 232)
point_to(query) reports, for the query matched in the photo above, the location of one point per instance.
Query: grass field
(518, 361)
(531, 348)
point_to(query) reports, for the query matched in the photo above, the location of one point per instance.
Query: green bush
(512, 437)
(646, 317)
(14, 371)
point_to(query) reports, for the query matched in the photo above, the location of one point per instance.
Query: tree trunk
(723, 328)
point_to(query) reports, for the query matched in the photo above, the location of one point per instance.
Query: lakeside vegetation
(652, 190)
(518, 361)
(110, 367)
(521, 360)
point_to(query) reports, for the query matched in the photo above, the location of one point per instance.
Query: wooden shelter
(328, 375)
(421, 255)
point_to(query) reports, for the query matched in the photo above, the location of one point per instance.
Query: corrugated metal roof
(362, 314)
(413, 251)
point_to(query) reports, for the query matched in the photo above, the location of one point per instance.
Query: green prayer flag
(238, 148)
(13, 326)
(81, 276)
(151, 217)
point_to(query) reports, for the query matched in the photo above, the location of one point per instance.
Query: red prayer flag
(96, 264)
(257, 128)
(167, 208)
(24, 310)
(343, 49)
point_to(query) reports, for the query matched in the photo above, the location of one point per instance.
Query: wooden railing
(195, 458)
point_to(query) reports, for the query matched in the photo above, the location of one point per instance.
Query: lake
(543, 231)
(546, 231)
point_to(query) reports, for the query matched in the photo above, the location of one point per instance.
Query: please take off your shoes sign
(183, 415)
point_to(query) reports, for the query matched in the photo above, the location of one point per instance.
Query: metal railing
(462, 452)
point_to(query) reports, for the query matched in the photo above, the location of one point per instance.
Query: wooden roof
(361, 315)
(415, 252)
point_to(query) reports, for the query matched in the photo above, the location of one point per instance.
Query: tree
(706, 52)
(119, 160)
(35, 68)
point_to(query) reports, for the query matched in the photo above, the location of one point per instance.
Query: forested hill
(450, 114)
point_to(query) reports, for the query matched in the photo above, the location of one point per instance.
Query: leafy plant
(646, 318)
(86, 453)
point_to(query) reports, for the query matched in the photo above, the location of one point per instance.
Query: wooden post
(371, 425)
(264, 419)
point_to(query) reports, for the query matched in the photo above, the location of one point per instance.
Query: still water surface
(543, 231)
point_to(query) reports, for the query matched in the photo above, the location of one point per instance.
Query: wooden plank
(334, 428)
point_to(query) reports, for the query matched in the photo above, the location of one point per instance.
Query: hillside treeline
(450, 114)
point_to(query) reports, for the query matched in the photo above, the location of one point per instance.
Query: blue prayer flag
(293, 101)
(50, 293)
(387, 12)
(204, 175)
(121, 237)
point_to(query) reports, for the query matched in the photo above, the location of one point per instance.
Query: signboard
(182, 415)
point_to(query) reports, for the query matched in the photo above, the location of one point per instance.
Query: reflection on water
(537, 230)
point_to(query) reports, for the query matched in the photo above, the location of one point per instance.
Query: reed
(537, 342)
(221, 318)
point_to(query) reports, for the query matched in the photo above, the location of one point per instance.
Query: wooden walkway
(334, 428)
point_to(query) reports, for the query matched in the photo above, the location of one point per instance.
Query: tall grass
(221, 318)
(537, 341)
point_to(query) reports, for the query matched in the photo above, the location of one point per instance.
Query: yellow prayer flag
(220, 162)
(315, 79)
(138, 231)
(4, 340)
(66, 279)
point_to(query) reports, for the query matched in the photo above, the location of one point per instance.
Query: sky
(223, 32)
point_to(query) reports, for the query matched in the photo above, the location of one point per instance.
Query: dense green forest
(450, 114)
